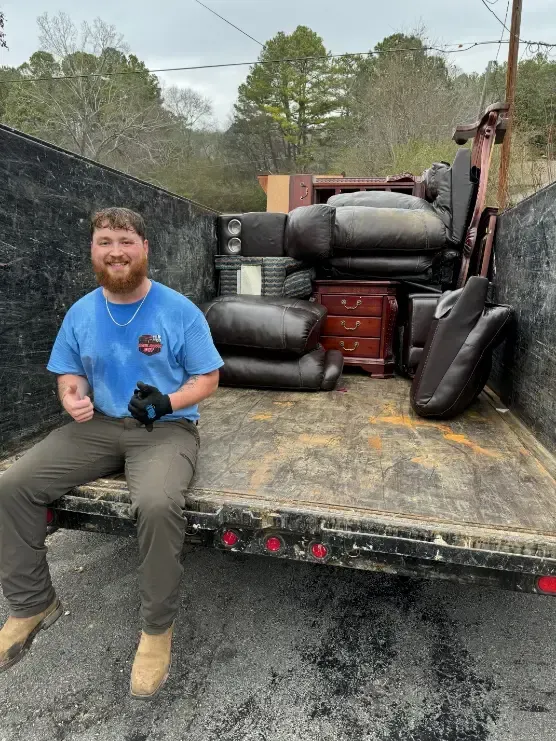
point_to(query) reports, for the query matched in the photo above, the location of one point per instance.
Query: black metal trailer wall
(524, 372)
(46, 197)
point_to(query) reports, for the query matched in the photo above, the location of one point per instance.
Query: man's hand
(148, 404)
(81, 409)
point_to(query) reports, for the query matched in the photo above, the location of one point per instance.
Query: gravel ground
(268, 650)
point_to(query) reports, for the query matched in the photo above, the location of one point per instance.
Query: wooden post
(511, 77)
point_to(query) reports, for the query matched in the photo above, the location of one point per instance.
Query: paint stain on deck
(261, 417)
(264, 469)
(318, 441)
(423, 460)
(446, 431)
(375, 443)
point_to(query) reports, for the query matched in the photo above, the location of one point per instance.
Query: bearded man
(145, 354)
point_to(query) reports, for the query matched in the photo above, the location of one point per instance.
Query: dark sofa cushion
(318, 370)
(310, 232)
(464, 187)
(451, 189)
(280, 325)
(368, 229)
(455, 363)
(381, 199)
(263, 234)
(378, 265)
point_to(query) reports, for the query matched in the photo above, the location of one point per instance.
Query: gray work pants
(159, 466)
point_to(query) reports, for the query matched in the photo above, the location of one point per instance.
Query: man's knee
(158, 507)
(13, 482)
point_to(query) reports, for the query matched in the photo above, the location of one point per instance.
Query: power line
(229, 23)
(529, 45)
(442, 50)
(490, 10)
(502, 35)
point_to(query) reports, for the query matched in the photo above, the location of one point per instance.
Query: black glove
(148, 404)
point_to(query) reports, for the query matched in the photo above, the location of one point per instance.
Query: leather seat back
(380, 199)
(464, 191)
(451, 190)
(362, 228)
(285, 325)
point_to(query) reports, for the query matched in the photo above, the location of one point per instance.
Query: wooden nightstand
(360, 322)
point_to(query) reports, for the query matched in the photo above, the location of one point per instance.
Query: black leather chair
(387, 235)
(270, 342)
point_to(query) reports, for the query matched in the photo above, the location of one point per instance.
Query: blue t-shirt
(166, 343)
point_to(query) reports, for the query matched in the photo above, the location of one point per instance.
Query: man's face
(119, 259)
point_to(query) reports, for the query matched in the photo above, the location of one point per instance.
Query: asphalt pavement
(268, 650)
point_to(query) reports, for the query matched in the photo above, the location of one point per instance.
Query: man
(145, 352)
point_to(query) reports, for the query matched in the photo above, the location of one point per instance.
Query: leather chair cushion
(318, 370)
(276, 324)
(456, 359)
(387, 265)
(310, 232)
(464, 188)
(381, 199)
(366, 229)
(420, 315)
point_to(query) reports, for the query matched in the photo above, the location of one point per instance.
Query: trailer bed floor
(364, 448)
(361, 448)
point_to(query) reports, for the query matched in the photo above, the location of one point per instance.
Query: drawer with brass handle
(352, 326)
(349, 305)
(361, 322)
(362, 347)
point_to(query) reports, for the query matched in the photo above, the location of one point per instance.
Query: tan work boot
(151, 667)
(17, 634)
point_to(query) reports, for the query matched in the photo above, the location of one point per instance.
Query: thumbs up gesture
(81, 409)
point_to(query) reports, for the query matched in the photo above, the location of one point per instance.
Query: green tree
(3, 44)
(289, 105)
(535, 101)
(93, 111)
(7, 74)
(403, 102)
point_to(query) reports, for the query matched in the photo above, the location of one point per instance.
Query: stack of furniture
(362, 254)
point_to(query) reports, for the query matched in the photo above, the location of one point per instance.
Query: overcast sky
(173, 33)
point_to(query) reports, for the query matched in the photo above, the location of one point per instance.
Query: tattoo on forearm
(190, 382)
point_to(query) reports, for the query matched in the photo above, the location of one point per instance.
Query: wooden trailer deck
(360, 454)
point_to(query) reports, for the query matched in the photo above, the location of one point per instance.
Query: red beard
(127, 283)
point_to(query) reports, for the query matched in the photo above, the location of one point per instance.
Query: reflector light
(273, 544)
(319, 550)
(547, 584)
(230, 538)
(49, 517)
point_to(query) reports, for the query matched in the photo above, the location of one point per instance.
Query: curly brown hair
(118, 218)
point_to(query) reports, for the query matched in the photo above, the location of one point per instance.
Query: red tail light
(273, 544)
(49, 516)
(547, 584)
(319, 550)
(230, 538)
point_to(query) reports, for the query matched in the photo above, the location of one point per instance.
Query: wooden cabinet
(360, 323)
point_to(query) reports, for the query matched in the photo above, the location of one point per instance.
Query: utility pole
(511, 77)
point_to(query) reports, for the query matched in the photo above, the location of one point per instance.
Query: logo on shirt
(150, 344)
